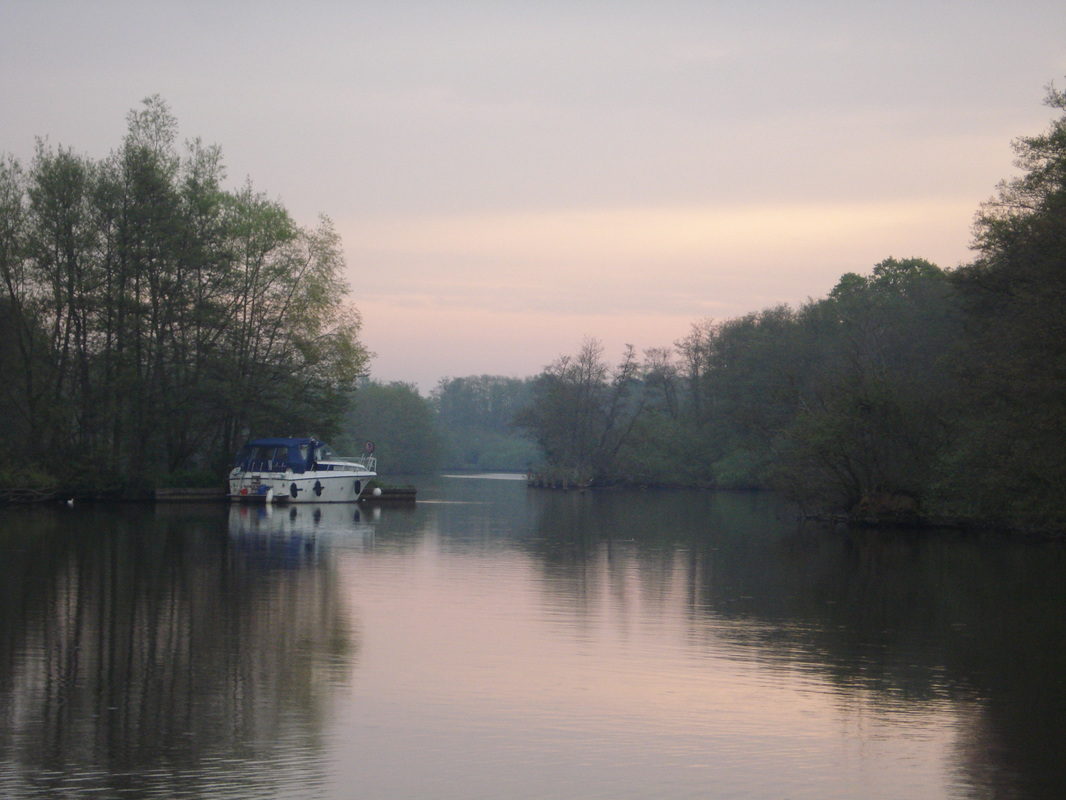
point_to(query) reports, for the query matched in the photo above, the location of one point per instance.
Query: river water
(495, 641)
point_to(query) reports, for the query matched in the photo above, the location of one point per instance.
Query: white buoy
(70, 503)
(377, 491)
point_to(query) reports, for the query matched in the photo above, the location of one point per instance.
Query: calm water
(498, 642)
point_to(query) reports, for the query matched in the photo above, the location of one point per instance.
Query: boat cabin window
(262, 457)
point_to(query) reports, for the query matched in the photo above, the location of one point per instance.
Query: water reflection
(497, 642)
(901, 623)
(143, 654)
(295, 535)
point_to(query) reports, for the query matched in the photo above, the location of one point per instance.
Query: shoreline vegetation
(151, 320)
(388, 493)
(886, 518)
(913, 395)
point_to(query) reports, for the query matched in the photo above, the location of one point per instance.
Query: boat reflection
(294, 534)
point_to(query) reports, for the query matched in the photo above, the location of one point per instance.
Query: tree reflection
(907, 620)
(137, 644)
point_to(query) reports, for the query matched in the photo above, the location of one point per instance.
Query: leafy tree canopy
(157, 317)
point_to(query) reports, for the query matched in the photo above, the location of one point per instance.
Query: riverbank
(376, 493)
(864, 518)
(932, 522)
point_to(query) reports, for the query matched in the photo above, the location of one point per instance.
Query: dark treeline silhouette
(913, 390)
(150, 318)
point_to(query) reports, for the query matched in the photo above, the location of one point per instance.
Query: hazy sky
(509, 178)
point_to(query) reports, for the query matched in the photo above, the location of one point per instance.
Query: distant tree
(583, 412)
(661, 380)
(476, 416)
(841, 402)
(664, 445)
(694, 350)
(400, 423)
(745, 395)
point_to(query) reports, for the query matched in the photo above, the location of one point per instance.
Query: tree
(842, 402)
(476, 417)
(748, 393)
(23, 353)
(156, 318)
(695, 350)
(583, 413)
(1011, 459)
(876, 406)
(399, 421)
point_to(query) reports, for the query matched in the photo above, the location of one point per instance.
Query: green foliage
(400, 423)
(583, 413)
(189, 479)
(1010, 463)
(31, 478)
(471, 447)
(155, 319)
(751, 383)
(475, 416)
(662, 450)
(876, 400)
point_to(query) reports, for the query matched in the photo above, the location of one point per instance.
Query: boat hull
(335, 486)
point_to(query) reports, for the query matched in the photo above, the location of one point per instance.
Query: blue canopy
(278, 455)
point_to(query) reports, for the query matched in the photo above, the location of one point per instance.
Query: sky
(510, 178)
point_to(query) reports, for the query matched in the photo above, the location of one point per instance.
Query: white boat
(299, 471)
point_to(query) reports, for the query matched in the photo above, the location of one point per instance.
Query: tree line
(465, 423)
(151, 318)
(910, 390)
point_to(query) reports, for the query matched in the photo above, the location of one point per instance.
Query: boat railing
(369, 462)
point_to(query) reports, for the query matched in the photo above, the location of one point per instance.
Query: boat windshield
(323, 453)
